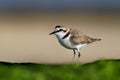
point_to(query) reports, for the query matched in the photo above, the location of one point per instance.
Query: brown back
(78, 37)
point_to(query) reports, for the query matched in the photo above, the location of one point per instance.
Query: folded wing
(78, 37)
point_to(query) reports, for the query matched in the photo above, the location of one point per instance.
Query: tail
(93, 40)
(90, 40)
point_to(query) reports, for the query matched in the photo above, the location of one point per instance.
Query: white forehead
(58, 28)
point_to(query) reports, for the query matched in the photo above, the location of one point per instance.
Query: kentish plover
(72, 38)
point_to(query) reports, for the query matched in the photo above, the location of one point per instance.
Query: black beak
(52, 33)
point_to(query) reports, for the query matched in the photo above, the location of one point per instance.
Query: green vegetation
(99, 70)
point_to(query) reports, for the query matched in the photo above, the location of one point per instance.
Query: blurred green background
(99, 70)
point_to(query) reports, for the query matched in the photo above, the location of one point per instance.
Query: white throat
(66, 41)
(60, 35)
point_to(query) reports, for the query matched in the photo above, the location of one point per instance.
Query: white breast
(67, 43)
(64, 42)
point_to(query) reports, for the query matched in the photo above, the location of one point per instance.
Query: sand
(25, 37)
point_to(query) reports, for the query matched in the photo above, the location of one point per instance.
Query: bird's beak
(52, 33)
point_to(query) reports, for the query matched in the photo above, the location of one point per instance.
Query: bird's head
(59, 29)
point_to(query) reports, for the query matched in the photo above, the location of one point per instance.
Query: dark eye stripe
(57, 26)
(59, 30)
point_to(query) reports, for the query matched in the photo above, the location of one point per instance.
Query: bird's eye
(61, 30)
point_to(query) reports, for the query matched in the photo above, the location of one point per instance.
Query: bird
(72, 39)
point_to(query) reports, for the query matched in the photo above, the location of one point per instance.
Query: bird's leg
(78, 54)
(74, 54)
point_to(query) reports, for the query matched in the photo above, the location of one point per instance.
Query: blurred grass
(99, 70)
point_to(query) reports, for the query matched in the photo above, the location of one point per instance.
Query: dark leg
(78, 54)
(74, 52)
(73, 55)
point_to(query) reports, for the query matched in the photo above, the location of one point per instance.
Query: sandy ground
(25, 38)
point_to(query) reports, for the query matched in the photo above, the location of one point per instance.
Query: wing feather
(78, 37)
